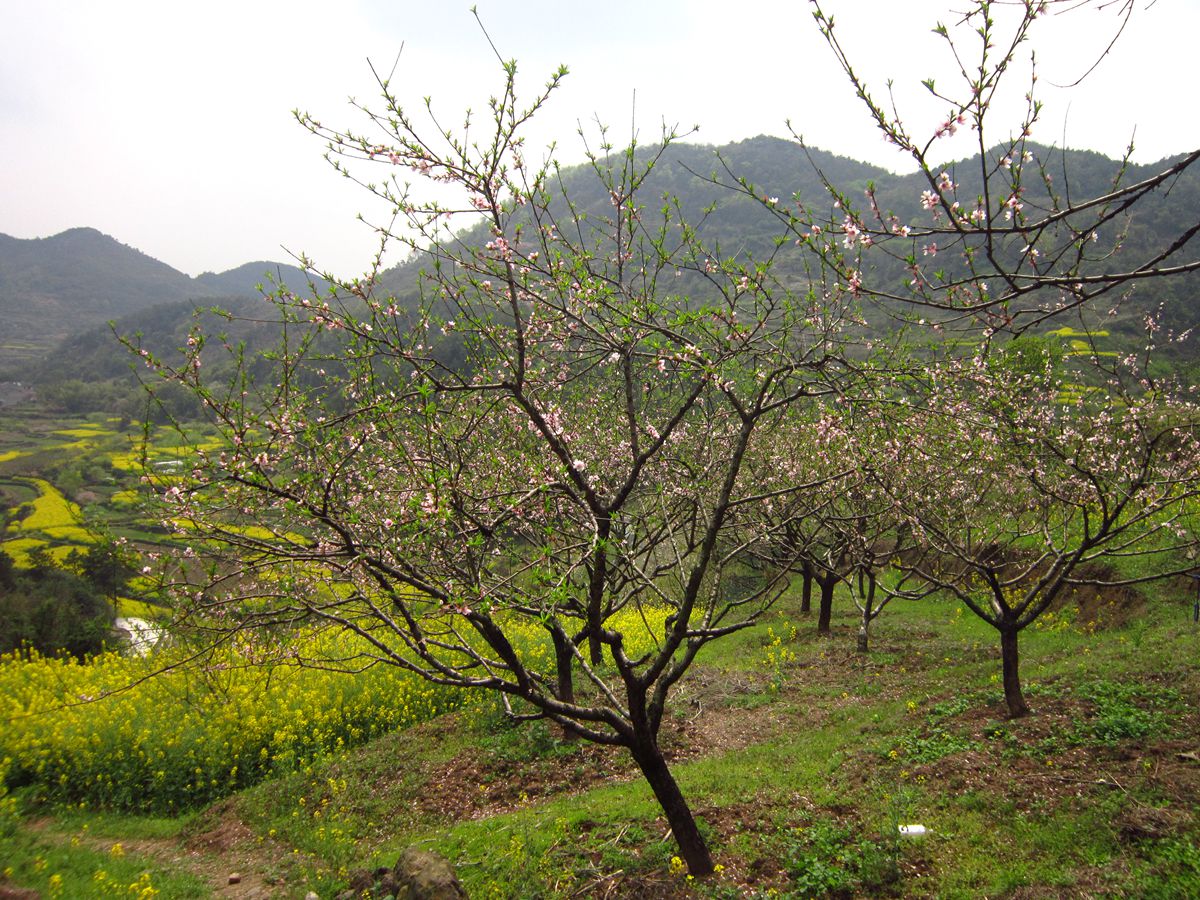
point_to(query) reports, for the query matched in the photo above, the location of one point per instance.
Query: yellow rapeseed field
(171, 730)
(51, 510)
(20, 548)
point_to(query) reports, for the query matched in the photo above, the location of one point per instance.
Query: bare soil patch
(1102, 607)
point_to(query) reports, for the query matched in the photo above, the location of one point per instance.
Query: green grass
(835, 756)
(88, 861)
(834, 749)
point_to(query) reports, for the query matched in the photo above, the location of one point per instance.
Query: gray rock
(418, 875)
(423, 875)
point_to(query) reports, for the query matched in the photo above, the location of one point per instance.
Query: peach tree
(549, 434)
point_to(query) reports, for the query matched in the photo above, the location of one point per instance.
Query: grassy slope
(801, 770)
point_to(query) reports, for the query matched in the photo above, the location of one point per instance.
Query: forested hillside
(65, 289)
(55, 287)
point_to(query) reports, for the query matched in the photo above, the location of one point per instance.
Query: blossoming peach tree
(550, 436)
(849, 532)
(578, 418)
(1005, 241)
(1022, 477)
(1017, 492)
(1006, 484)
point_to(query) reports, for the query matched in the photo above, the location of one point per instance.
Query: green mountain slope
(56, 287)
(70, 285)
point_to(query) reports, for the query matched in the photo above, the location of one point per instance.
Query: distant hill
(781, 168)
(55, 287)
(245, 279)
(67, 287)
(687, 172)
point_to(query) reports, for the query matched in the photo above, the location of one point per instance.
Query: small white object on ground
(912, 831)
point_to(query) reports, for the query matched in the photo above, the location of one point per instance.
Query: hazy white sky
(168, 125)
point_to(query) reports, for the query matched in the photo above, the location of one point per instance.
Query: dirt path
(226, 856)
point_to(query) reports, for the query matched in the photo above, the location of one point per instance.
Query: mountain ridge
(57, 286)
(63, 287)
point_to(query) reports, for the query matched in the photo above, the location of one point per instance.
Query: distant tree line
(66, 608)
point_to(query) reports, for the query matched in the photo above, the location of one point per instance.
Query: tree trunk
(692, 848)
(863, 633)
(1010, 659)
(824, 616)
(564, 657)
(597, 579)
(806, 573)
(868, 607)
